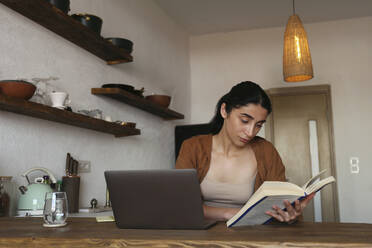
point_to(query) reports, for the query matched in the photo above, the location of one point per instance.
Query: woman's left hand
(292, 212)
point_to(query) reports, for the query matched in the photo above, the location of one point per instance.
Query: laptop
(156, 199)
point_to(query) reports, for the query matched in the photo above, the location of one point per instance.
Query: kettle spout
(23, 189)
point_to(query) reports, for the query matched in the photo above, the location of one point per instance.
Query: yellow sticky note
(105, 218)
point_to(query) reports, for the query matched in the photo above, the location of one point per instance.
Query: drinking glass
(55, 209)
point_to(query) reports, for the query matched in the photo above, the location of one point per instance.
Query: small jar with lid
(4, 196)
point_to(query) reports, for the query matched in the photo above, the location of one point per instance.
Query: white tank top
(224, 194)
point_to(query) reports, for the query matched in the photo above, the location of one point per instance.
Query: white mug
(59, 99)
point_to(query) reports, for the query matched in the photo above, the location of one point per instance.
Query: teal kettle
(31, 200)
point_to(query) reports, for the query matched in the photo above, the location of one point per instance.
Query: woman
(233, 162)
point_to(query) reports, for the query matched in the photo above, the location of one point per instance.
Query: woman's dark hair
(240, 95)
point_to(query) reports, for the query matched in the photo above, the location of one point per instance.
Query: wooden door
(288, 129)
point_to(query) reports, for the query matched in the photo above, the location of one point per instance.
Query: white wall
(161, 65)
(342, 55)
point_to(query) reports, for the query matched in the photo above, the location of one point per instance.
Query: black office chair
(184, 132)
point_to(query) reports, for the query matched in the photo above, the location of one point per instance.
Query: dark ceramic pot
(122, 43)
(63, 5)
(91, 21)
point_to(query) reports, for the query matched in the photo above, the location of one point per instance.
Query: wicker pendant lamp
(297, 65)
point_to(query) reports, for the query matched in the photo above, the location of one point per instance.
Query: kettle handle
(52, 178)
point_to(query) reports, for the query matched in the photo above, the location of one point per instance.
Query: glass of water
(55, 209)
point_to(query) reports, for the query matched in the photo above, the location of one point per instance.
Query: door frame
(309, 90)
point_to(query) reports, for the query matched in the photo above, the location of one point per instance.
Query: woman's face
(242, 124)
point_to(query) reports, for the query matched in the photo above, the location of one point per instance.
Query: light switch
(84, 166)
(354, 165)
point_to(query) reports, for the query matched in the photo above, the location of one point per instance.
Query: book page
(319, 185)
(271, 188)
(257, 216)
(279, 187)
(313, 179)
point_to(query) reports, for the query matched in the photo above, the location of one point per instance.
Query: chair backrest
(183, 132)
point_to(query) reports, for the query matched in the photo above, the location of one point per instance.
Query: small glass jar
(4, 197)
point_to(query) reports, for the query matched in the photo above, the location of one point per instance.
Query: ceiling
(213, 16)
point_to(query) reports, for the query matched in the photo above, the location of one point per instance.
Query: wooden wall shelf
(139, 102)
(50, 17)
(20, 106)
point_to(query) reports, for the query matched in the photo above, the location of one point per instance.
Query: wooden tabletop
(86, 232)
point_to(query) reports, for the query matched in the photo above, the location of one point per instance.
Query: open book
(274, 193)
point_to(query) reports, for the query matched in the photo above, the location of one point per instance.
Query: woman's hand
(292, 213)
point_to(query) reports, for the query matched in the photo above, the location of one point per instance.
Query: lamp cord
(293, 4)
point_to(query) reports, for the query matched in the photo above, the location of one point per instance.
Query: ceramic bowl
(122, 43)
(91, 21)
(162, 100)
(63, 5)
(126, 87)
(17, 88)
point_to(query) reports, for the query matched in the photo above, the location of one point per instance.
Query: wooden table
(85, 232)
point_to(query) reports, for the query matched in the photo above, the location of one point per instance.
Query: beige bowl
(17, 88)
(162, 100)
